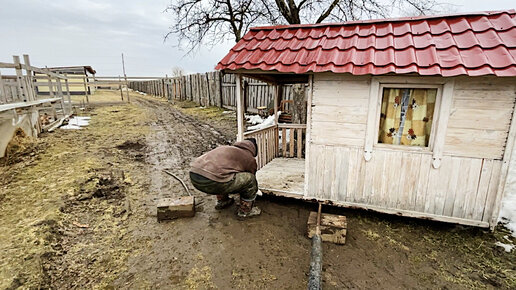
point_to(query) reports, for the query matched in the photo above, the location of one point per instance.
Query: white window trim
(443, 105)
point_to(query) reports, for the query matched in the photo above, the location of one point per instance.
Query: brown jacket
(221, 163)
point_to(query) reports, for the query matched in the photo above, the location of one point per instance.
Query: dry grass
(20, 146)
(35, 195)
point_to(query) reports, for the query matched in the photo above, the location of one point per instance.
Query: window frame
(444, 103)
(435, 117)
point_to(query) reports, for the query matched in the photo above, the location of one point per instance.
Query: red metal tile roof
(469, 44)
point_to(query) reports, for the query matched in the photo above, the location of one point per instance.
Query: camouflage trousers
(243, 183)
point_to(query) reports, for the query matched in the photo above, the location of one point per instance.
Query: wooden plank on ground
(333, 227)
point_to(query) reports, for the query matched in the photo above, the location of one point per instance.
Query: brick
(172, 208)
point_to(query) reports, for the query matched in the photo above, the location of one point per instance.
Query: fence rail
(21, 87)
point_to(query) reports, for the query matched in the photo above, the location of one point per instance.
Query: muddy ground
(77, 210)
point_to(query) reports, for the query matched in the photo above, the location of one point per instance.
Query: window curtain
(406, 116)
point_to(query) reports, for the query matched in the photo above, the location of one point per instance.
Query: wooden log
(333, 227)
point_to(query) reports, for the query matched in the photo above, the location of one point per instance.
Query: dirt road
(81, 213)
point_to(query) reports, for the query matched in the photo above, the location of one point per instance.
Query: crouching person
(229, 170)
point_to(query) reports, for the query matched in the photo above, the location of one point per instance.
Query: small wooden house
(410, 116)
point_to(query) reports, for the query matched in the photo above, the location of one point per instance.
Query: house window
(406, 116)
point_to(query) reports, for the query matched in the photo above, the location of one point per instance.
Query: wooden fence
(212, 89)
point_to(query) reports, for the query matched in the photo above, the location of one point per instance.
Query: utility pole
(125, 77)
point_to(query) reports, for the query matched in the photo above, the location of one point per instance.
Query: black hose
(314, 278)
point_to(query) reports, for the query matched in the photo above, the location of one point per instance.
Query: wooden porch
(283, 176)
(281, 163)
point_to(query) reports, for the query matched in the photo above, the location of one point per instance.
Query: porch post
(277, 90)
(240, 107)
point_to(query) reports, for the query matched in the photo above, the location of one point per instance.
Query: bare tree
(318, 11)
(197, 22)
(178, 72)
(210, 22)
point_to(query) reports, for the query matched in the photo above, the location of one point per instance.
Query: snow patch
(267, 122)
(254, 119)
(76, 123)
(507, 247)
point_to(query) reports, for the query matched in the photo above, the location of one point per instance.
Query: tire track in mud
(176, 139)
(212, 248)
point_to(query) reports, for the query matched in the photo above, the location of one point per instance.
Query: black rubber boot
(223, 201)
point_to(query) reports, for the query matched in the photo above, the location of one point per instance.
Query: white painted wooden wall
(463, 189)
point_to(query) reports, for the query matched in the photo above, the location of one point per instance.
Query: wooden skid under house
(412, 116)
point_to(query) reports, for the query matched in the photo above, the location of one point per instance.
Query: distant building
(80, 76)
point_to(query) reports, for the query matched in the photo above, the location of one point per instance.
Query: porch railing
(292, 140)
(267, 140)
(291, 137)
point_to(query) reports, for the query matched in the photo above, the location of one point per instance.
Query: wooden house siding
(339, 109)
(462, 189)
(480, 117)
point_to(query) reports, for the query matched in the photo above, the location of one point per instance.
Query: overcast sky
(96, 32)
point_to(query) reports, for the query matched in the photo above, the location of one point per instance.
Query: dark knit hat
(255, 145)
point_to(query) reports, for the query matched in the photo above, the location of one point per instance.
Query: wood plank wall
(463, 188)
(212, 89)
(480, 117)
(339, 110)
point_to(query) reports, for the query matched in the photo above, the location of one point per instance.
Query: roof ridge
(356, 34)
(377, 49)
(385, 20)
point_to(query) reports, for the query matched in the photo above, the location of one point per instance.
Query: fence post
(60, 94)
(22, 90)
(240, 107)
(50, 86)
(218, 75)
(67, 86)
(3, 88)
(120, 87)
(30, 84)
